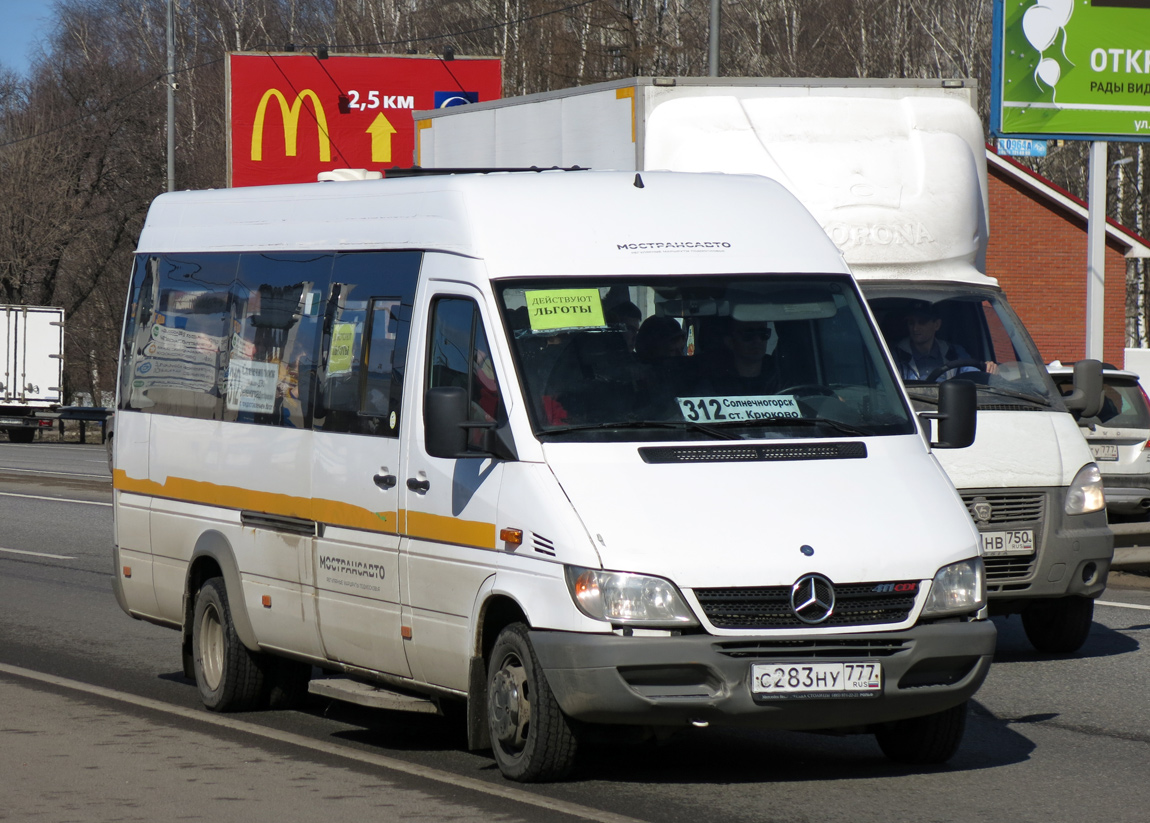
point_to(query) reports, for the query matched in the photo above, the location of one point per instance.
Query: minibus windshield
(939, 332)
(699, 358)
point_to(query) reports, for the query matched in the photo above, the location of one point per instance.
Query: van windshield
(700, 358)
(936, 333)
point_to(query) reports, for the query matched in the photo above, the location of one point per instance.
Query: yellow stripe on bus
(420, 525)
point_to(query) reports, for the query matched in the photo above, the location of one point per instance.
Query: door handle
(384, 481)
(418, 485)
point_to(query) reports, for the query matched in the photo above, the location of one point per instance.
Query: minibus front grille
(769, 607)
(749, 453)
(836, 648)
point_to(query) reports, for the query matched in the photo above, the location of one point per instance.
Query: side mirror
(445, 427)
(1086, 399)
(957, 414)
(444, 421)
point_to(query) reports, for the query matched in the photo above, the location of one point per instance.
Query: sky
(22, 23)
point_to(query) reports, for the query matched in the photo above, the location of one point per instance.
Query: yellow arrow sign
(381, 131)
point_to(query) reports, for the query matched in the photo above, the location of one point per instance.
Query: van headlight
(1085, 493)
(628, 599)
(957, 588)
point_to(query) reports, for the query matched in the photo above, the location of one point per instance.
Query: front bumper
(694, 679)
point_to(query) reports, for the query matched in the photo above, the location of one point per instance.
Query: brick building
(1037, 251)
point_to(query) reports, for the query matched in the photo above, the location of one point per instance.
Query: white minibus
(555, 446)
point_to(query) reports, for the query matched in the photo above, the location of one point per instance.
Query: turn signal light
(127, 571)
(267, 601)
(512, 536)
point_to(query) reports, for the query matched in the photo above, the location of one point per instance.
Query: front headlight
(959, 587)
(628, 599)
(1085, 493)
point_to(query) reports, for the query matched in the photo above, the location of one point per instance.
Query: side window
(460, 356)
(365, 332)
(176, 342)
(277, 308)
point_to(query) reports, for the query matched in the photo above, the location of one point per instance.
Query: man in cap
(921, 352)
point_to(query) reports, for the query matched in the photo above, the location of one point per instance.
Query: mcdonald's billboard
(292, 116)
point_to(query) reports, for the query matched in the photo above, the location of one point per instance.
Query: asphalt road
(98, 723)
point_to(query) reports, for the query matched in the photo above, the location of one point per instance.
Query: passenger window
(366, 329)
(178, 341)
(461, 356)
(277, 303)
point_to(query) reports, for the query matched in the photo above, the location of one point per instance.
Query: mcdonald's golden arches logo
(291, 123)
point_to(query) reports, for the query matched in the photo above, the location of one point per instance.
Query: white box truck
(895, 171)
(31, 367)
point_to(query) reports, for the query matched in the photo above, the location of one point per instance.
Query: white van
(556, 444)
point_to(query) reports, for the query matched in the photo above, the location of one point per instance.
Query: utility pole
(171, 84)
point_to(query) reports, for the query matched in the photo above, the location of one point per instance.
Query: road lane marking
(55, 499)
(380, 761)
(58, 500)
(39, 554)
(1122, 605)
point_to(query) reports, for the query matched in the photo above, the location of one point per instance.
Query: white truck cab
(558, 445)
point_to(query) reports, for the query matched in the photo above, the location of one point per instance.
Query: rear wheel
(21, 435)
(228, 675)
(1059, 626)
(923, 741)
(530, 736)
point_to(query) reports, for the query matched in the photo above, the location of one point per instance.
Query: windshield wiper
(845, 428)
(679, 425)
(930, 395)
(1033, 398)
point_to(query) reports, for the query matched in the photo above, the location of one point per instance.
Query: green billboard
(1072, 68)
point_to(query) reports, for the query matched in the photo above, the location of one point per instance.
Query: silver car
(1118, 437)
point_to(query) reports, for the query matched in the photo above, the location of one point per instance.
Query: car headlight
(628, 599)
(1085, 493)
(959, 587)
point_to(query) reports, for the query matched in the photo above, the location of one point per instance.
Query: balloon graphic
(1062, 9)
(1040, 25)
(1049, 71)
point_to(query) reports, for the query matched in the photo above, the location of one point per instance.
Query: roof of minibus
(546, 223)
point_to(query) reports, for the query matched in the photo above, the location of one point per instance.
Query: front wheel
(923, 741)
(530, 736)
(228, 675)
(1059, 626)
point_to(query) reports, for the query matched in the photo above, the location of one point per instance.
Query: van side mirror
(957, 414)
(446, 424)
(1086, 399)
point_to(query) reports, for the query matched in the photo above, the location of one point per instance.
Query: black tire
(228, 676)
(923, 741)
(21, 435)
(531, 738)
(286, 681)
(1059, 626)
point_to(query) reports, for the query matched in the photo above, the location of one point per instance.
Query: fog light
(1089, 573)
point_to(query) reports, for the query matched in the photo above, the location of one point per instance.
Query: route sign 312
(291, 116)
